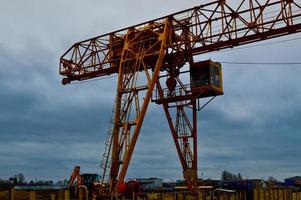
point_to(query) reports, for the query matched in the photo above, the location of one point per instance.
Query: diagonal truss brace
(184, 132)
(130, 109)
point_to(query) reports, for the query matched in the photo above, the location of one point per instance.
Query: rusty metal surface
(209, 27)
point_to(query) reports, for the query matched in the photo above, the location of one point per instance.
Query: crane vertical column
(184, 133)
(142, 47)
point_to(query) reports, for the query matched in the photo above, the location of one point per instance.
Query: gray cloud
(47, 128)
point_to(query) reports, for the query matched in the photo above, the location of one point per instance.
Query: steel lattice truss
(143, 53)
(205, 28)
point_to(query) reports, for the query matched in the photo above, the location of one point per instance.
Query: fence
(273, 194)
(276, 194)
(35, 195)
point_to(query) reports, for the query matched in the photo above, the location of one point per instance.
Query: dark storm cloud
(256, 129)
(246, 130)
(44, 125)
(31, 95)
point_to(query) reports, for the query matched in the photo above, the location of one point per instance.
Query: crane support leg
(129, 116)
(184, 133)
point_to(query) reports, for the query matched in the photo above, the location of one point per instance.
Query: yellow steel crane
(154, 61)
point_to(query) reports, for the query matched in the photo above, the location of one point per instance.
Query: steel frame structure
(140, 54)
(129, 112)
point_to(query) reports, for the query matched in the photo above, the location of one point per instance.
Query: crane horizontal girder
(205, 28)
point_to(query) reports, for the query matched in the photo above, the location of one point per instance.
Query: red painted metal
(205, 28)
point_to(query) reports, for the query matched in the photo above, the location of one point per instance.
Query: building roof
(293, 178)
(43, 187)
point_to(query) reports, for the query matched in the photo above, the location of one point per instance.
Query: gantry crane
(155, 61)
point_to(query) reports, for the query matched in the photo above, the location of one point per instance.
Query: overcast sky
(47, 128)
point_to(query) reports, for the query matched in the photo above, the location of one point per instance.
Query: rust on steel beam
(210, 27)
(184, 133)
(134, 91)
